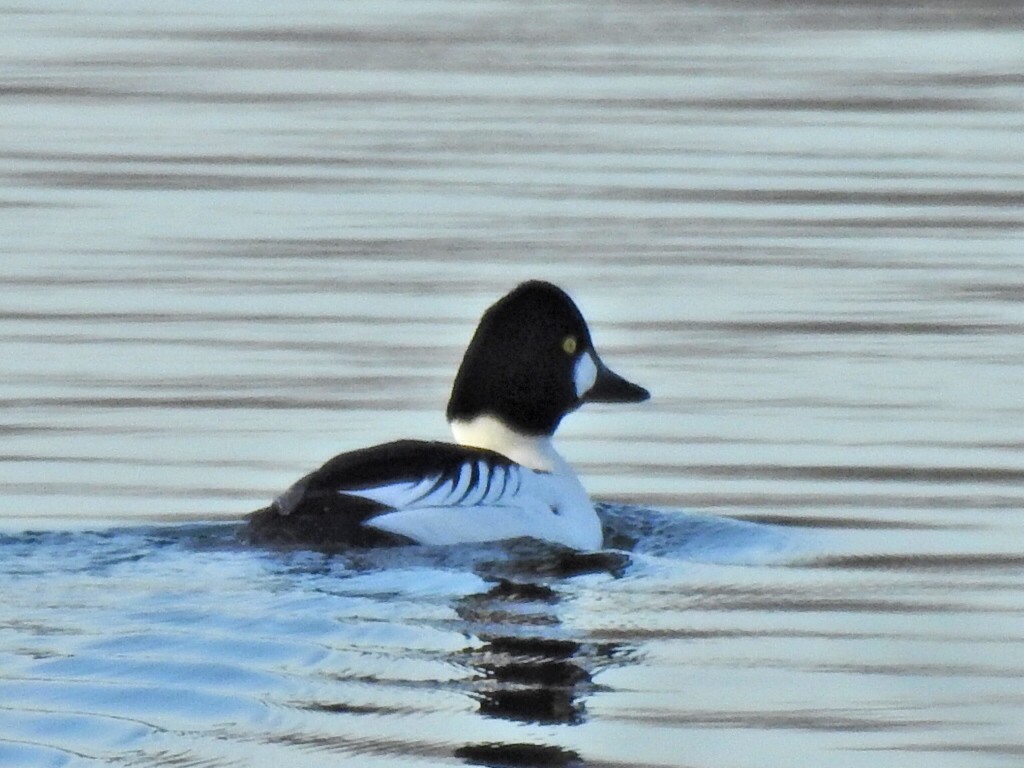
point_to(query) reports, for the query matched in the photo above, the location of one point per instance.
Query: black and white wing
(428, 492)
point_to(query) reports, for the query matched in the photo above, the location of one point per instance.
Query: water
(238, 240)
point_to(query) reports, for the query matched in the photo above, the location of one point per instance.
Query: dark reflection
(527, 671)
(523, 673)
(531, 679)
(518, 756)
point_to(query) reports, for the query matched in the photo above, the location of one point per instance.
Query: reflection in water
(518, 756)
(523, 676)
(527, 674)
(525, 667)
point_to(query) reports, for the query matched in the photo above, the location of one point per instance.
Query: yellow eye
(569, 345)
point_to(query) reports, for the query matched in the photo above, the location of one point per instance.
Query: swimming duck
(530, 362)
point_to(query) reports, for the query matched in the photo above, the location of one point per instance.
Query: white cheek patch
(584, 374)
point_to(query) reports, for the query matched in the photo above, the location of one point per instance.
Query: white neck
(492, 433)
(576, 524)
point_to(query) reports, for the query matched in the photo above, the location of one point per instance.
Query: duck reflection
(532, 679)
(527, 669)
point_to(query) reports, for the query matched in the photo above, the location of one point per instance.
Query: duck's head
(531, 362)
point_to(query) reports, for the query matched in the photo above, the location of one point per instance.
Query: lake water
(237, 238)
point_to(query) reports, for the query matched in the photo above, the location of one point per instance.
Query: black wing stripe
(474, 477)
(494, 492)
(489, 480)
(440, 482)
(474, 484)
(506, 475)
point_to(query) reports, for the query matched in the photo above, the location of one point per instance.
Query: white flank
(539, 496)
(541, 506)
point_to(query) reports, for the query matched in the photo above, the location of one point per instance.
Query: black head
(531, 361)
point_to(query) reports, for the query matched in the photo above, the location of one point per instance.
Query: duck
(530, 363)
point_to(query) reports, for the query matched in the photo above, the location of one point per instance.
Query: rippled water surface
(238, 238)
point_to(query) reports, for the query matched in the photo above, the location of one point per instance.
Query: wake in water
(633, 535)
(675, 534)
